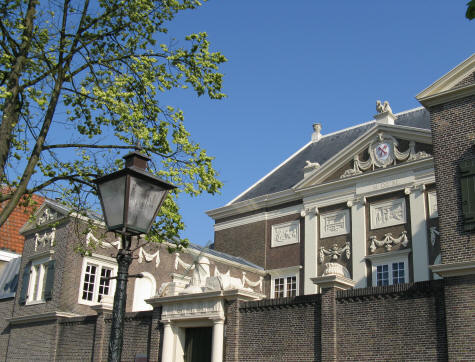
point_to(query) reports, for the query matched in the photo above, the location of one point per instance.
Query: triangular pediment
(457, 83)
(382, 147)
(47, 214)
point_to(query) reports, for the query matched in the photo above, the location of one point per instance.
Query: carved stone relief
(286, 233)
(45, 238)
(433, 211)
(388, 213)
(334, 252)
(383, 151)
(388, 241)
(192, 309)
(334, 223)
(47, 215)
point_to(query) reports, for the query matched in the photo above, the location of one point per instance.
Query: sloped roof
(9, 278)
(291, 172)
(220, 254)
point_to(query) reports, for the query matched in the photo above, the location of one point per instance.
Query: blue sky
(292, 64)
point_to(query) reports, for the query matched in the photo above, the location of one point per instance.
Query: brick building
(358, 247)
(11, 241)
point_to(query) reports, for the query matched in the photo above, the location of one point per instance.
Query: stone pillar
(218, 339)
(420, 252)
(167, 348)
(358, 241)
(311, 248)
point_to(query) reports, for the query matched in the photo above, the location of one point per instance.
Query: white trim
(99, 261)
(284, 271)
(289, 238)
(454, 269)
(40, 317)
(449, 79)
(262, 216)
(8, 255)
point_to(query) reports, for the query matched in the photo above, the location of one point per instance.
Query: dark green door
(198, 344)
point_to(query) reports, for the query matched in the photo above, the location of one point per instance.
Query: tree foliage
(80, 84)
(470, 14)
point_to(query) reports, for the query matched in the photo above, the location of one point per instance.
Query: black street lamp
(130, 200)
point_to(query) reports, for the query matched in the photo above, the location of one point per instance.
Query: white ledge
(41, 317)
(454, 269)
(334, 281)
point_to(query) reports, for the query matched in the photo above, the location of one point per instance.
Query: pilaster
(358, 240)
(420, 251)
(311, 248)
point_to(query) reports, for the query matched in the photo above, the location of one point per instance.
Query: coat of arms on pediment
(383, 151)
(47, 215)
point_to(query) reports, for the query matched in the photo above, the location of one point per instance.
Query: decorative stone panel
(285, 233)
(388, 213)
(335, 223)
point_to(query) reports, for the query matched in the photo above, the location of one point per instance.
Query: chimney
(316, 135)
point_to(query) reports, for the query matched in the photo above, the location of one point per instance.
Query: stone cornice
(454, 269)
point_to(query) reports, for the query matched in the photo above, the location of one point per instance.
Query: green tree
(470, 14)
(80, 83)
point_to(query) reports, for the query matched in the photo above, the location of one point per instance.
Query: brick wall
(284, 329)
(10, 238)
(400, 322)
(76, 339)
(33, 341)
(453, 131)
(6, 308)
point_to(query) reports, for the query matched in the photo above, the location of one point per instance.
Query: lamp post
(130, 200)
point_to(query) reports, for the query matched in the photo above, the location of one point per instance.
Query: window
(284, 287)
(144, 289)
(95, 282)
(37, 281)
(388, 274)
(390, 268)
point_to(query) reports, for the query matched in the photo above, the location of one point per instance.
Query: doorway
(198, 344)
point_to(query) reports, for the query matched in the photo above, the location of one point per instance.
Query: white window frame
(285, 273)
(388, 259)
(99, 261)
(37, 281)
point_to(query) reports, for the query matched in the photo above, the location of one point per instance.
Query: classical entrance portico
(198, 310)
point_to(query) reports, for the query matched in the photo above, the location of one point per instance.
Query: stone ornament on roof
(47, 215)
(383, 152)
(382, 108)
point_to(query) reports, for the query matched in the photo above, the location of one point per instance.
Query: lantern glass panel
(112, 194)
(144, 200)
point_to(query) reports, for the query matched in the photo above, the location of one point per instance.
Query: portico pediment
(382, 147)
